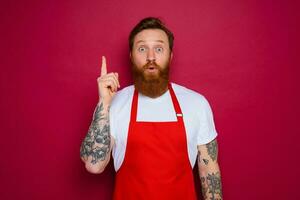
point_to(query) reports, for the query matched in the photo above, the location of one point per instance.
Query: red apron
(156, 164)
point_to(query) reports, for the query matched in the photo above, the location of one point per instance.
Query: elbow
(94, 169)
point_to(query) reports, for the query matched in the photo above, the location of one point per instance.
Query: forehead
(151, 35)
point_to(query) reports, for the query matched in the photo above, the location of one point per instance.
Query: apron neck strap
(175, 101)
(134, 105)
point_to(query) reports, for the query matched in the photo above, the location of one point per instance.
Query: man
(155, 128)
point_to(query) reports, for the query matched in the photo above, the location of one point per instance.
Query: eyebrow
(144, 41)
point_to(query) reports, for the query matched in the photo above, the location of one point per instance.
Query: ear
(171, 56)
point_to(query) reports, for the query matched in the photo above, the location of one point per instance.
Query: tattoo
(203, 188)
(97, 141)
(214, 185)
(212, 149)
(211, 185)
(203, 159)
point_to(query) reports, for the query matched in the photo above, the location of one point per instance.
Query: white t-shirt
(197, 117)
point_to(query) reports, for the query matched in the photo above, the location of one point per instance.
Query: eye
(141, 49)
(159, 49)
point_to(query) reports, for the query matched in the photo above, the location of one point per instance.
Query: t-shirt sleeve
(206, 130)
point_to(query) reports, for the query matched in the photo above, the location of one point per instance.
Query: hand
(107, 83)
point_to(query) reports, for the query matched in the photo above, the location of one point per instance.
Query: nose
(150, 56)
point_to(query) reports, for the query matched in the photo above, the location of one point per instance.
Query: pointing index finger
(103, 67)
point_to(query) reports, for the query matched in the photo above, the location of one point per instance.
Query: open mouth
(151, 68)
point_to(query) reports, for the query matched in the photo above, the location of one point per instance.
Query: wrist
(106, 102)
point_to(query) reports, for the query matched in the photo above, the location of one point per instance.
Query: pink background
(241, 55)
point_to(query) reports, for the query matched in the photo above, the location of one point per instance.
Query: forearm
(96, 146)
(209, 171)
(211, 183)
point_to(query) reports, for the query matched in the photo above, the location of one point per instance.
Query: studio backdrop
(240, 54)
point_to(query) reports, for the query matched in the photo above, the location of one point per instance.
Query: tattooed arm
(209, 171)
(96, 147)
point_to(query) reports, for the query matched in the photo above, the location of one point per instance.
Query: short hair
(150, 23)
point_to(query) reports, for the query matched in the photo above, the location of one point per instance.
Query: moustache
(151, 64)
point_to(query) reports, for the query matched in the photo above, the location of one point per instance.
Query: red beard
(151, 84)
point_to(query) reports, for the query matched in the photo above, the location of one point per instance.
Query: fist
(108, 83)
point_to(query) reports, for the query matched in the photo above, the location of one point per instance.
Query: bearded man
(156, 130)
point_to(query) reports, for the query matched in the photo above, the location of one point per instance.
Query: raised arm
(96, 147)
(209, 171)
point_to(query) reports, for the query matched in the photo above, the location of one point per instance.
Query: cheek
(163, 59)
(139, 59)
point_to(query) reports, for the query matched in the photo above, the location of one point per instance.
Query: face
(150, 57)
(151, 45)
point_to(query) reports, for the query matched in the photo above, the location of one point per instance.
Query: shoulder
(191, 101)
(188, 95)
